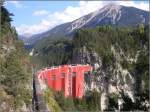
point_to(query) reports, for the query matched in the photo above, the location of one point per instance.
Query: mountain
(115, 15)
(119, 57)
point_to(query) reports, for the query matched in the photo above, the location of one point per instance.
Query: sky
(33, 17)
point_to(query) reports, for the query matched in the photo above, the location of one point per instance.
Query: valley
(115, 55)
(48, 72)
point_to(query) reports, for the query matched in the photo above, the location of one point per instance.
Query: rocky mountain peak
(112, 6)
(111, 10)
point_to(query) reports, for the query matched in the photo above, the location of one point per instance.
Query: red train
(67, 78)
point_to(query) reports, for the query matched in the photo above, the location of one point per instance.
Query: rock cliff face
(109, 80)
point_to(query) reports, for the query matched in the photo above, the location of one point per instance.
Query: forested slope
(119, 57)
(15, 69)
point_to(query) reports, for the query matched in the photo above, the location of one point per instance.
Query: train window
(73, 74)
(63, 75)
(53, 77)
(69, 69)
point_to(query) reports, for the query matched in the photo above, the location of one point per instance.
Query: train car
(66, 78)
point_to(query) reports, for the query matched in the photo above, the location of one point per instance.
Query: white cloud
(33, 29)
(17, 4)
(140, 5)
(40, 13)
(71, 13)
(5, 3)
